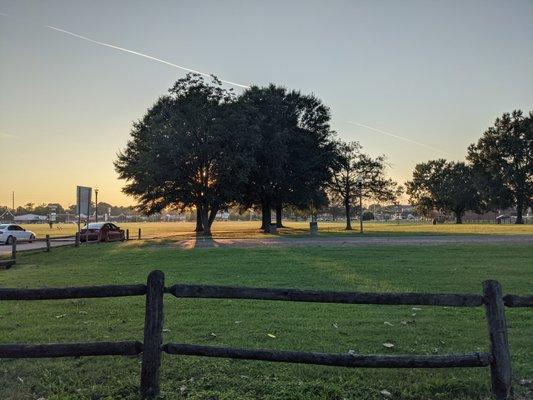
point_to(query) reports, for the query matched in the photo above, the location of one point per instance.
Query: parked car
(10, 231)
(101, 231)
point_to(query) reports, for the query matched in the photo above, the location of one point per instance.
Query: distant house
(222, 216)
(30, 219)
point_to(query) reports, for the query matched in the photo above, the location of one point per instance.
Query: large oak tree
(294, 149)
(443, 186)
(503, 161)
(188, 151)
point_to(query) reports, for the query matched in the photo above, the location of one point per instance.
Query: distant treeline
(497, 174)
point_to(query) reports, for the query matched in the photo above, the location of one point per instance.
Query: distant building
(7, 216)
(222, 216)
(30, 219)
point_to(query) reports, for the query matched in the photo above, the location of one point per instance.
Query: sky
(414, 80)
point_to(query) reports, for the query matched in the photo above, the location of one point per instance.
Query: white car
(10, 231)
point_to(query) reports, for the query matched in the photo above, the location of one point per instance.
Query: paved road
(5, 250)
(355, 241)
(415, 240)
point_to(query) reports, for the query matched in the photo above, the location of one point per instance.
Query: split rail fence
(498, 358)
(49, 242)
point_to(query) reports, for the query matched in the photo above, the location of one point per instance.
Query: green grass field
(251, 229)
(296, 326)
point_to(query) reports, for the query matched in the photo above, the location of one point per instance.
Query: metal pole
(79, 209)
(96, 201)
(361, 207)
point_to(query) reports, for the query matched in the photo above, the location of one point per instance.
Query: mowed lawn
(247, 229)
(266, 324)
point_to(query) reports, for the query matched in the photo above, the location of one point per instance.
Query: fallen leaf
(271, 335)
(386, 393)
(388, 323)
(335, 325)
(238, 322)
(388, 345)
(416, 309)
(352, 352)
(61, 316)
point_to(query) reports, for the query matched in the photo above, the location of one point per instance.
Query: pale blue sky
(435, 72)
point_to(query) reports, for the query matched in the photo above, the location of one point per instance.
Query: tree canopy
(357, 174)
(294, 152)
(186, 152)
(503, 162)
(443, 186)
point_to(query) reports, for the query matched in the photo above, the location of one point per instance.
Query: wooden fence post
(153, 335)
(47, 242)
(139, 234)
(500, 367)
(127, 234)
(77, 239)
(14, 249)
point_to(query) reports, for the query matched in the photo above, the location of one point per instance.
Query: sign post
(83, 203)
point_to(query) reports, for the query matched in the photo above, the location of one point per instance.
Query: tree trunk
(519, 211)
(263, 216)
(199, 226)
(212, 215)
(459, 217)
(279, 210)
(267, 216)
(205, 221)
(348, 220)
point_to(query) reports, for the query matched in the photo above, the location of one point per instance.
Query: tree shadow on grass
(204, 242)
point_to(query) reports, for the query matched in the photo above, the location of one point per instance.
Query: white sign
(83, 200)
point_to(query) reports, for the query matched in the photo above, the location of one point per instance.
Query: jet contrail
(133, 52)
(6, 135)
(398, 137)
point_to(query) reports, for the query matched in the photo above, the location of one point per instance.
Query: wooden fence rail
(229, 292)
(70, 349)
(152, 347)
(73, 292)
(339, 360)
(48, 241)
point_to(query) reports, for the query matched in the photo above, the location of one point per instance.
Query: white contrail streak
(6, 135)
(398, 137)
(133, 52)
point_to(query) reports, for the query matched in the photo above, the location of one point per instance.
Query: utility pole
(96, 209)
(13, 200)
(360, 184)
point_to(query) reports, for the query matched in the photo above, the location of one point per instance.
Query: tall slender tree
(358, 175)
